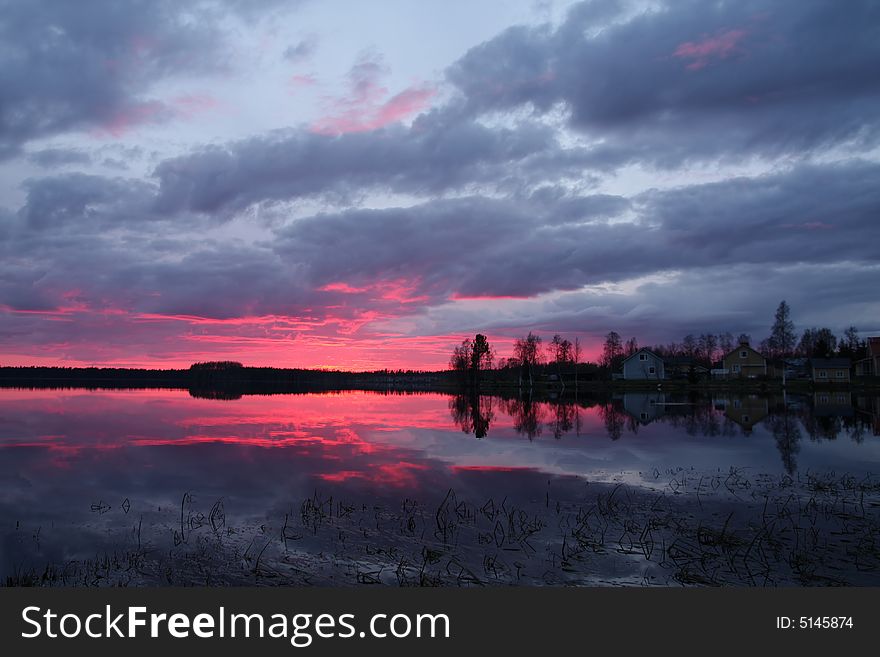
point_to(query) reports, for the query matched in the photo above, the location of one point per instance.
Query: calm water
(157, 486)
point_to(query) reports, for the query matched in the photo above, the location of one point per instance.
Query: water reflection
(823, 416)
(82, 471)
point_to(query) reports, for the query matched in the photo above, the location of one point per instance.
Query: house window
(643, 356)
(839, 374)
(643, 416)
(736, 369)
(744, 354)
(824, 399)
(746, 419)
(823, 374)
(737, 403)
(841, 399)
(652, 370)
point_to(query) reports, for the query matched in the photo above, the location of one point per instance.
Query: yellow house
(830, 370)
(747, 411)
(744, 363)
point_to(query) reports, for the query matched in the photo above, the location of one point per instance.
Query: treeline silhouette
(222, 379)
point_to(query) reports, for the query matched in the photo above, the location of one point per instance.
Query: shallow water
(160, 487)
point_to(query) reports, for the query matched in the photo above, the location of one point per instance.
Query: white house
(644, 365)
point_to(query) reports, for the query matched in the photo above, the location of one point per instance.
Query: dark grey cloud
(90, 64)
(495, 247)
(81, 202)
(693, 80)
(434, 155)
(49, 158)
(473, 246)
(301, 50)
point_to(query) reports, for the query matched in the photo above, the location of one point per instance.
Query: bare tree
(527, 352)
(782, 333)
(612, 349)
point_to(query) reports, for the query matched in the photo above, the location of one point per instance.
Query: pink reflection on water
(352, 436)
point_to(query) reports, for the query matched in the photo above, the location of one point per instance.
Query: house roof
(740, 347)
(830, 362)
(874, 345)
(640, 351)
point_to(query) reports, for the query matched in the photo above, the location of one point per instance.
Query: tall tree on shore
(481, 356)
(612, 349)
(632, 346)
(782, 335)
(689, 345)
(560, 348)
(708, 345)
(460, 360)
(527, 352)
(851, 345)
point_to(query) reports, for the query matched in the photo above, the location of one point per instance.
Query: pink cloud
(302, 81)
(125, 119)
(720, 46)
(190, 106)
(399, 290)
(365, 113)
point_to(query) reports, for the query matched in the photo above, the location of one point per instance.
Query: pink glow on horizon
(359, 327)
(720, 46)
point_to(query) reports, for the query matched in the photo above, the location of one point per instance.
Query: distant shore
(264, 380)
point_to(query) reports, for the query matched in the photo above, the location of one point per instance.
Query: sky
(362, 185)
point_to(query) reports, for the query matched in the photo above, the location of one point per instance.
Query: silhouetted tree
(462, 355)
(481, 357)
(561, 350)
(527, 351)
(632, 346)
(612, 350)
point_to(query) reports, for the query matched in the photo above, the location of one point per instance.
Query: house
(830, 403)
(644, 365)
(645, 407)
(744, 363)
(746, 411)
(830, 370)
(870, 366)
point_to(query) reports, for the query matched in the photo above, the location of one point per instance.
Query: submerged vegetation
(678, 527)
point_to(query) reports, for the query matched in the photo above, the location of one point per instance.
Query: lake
(160, 487)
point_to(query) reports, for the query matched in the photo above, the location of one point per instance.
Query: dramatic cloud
(693, 79)
(58, 157)
(659, 170)
(431, 156)
(92, 64)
